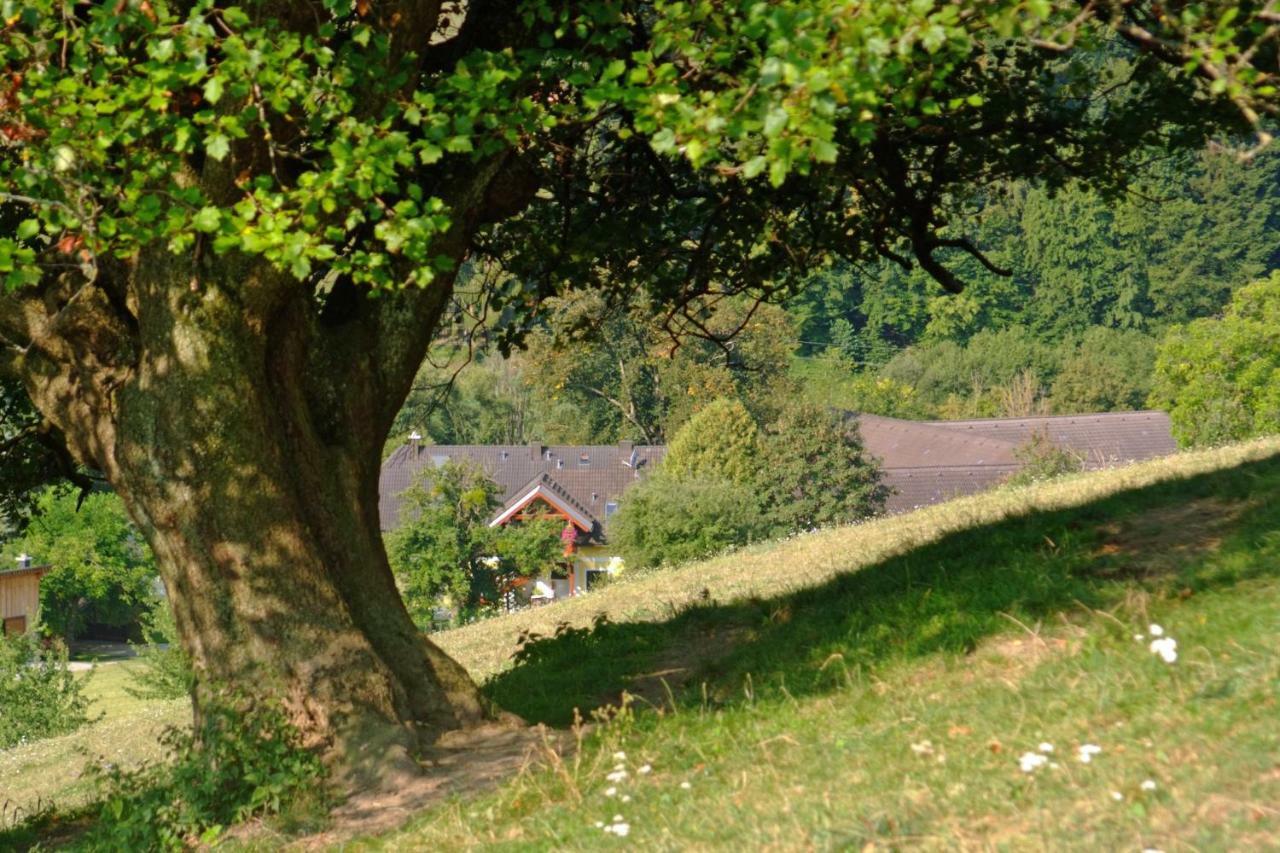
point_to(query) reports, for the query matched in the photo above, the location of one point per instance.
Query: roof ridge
(946, 424)
(934, 428)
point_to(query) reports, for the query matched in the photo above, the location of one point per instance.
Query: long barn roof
(923, 462)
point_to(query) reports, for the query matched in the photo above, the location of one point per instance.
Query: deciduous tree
(200, 200)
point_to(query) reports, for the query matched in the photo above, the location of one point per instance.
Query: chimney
(415, 439)
(535, 451)
(24, 560)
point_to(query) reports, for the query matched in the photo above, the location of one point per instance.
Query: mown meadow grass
(123, 729)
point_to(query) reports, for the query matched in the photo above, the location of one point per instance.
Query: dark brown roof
(912, 444)
(1110, 438)
(923, 462)
(590, 475)
(913, 488)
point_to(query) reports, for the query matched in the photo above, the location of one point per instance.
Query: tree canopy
(1218, 377)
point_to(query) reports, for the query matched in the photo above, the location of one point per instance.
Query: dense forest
(1085, 288)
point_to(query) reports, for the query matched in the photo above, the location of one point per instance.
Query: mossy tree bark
(241, 418)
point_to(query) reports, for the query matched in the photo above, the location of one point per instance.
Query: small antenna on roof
(631, 462)
(415, 438)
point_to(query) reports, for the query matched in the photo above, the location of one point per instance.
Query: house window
(610, 508)
(584, 460)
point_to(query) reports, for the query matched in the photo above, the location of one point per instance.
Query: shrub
(1110, 370)
(39, 695)
(815, 472)
(242, 762)
(1042, 459)
(719, 442)
(166, 669)
(664, 520)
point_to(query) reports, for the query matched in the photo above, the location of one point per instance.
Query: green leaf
(213, 89)
(217, 146)
(776, 121)
(754, 167)
(207, 220)
(28, 228)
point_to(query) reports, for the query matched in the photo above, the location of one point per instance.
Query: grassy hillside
(881, 684)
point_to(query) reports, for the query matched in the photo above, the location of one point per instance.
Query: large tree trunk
(245, 439)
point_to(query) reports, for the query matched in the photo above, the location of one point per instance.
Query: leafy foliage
(1109, 371)
(719, 442)
(1220, 378)
(102, 569)
(1043, 459)
(724, 483)
(666, 520)
(242, 761)
(39, 696)
(815, 472)
(446, 551)
(166, 671)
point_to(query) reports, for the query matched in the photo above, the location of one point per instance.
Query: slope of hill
(978, 674)
(887, 684)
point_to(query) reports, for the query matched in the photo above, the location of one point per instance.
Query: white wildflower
(619, 756)
(1155, 630)
(644, 769)
(626, 798)
(617, 818)
(599, 824)
(1087, 751)
(1031, 761)
(1138, 638)
(924, 747)
(1046, 747)
(685, 785)
(1117, 796)
(1148, 785)
(617, 776)
(1166, 648)
(619, 828)
(611, 791)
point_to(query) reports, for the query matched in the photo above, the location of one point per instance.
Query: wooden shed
(20, 598)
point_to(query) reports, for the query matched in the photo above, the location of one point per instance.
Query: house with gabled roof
(579, 484)
(922, 463)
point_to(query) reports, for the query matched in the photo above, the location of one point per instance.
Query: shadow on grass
(1184, 536)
